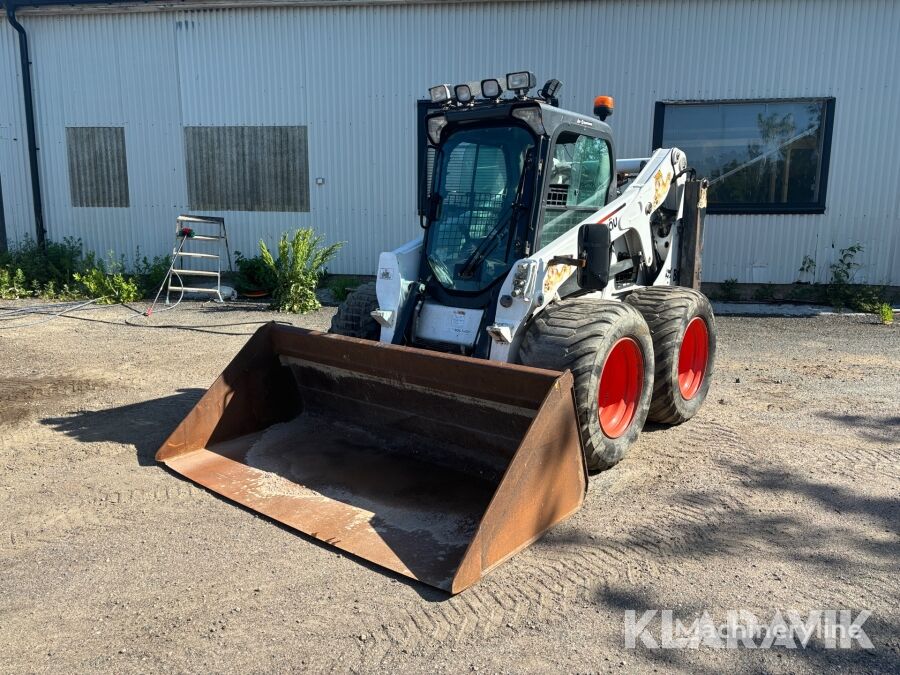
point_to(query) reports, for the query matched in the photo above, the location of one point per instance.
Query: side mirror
(593, 250)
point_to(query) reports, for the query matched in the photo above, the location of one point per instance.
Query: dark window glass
(759, 156)
(247, 168)
(478, 177)
(98, 167)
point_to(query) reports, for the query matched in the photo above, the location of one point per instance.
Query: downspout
(4, 247)
(28, 96)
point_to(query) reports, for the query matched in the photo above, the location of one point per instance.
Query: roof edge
(63, 7)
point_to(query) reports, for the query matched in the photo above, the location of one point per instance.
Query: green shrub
(764, 293)
(842, 292)
(340, 287)
(729, 290)
(254, 274)
(50, 291)
(107, 282)
(56, 262)
(61, 271)
(839, 290)
(298, 269)
(12, 284)
(808, 266)
(150, 272)
(886, 314)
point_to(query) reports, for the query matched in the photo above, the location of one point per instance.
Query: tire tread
(567, 336)
(353, 318)
(665, 308)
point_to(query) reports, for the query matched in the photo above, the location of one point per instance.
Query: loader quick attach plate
(435, 466)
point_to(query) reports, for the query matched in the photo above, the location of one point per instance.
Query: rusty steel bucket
(435, 466)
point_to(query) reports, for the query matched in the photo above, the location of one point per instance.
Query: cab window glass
(580, 174)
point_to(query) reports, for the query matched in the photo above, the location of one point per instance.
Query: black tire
(669, 310)
(354, 316)
(578, 335)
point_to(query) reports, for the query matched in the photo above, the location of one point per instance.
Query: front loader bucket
(436, 466)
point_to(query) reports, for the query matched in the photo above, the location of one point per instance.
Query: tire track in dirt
(177, 493)
(697, 440)
(554, 581)
(842, 451)
(884, 461)
(92, 511)
(49, 528)
(557, 578)
(17, 394)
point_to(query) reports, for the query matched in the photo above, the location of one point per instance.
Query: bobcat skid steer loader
(450, 416)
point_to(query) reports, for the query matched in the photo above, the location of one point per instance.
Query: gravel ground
(783, 493)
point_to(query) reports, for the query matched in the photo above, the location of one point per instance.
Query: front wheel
(683, 327)
(354, 316)
(608, 348)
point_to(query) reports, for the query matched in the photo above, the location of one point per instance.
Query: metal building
(284, 113)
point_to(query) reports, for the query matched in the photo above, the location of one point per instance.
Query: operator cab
(510, 174)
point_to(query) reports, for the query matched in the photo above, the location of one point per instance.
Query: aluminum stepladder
(189, 262)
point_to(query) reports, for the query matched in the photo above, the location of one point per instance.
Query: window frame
(545, 188)
(749, 208)
(423, 162)
(523, 223)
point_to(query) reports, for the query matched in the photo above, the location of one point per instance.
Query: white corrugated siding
(352, 75)
(14, 172)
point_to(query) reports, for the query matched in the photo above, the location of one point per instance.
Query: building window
(247, 168)
(768, 156)
(98, 168)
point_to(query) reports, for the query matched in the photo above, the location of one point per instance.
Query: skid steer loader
(451, 414)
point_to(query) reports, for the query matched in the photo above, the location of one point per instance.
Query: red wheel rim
(692, 358)
(621, 381)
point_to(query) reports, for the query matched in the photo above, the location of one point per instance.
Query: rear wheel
(683, 327)
(354, 316)
(607, 347)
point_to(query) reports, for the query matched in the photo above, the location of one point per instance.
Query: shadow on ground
(143, 425)
(829, 546)
(146, 425)
(881, 429)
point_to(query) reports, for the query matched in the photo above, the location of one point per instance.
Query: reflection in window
(768, 156)
(580, 174)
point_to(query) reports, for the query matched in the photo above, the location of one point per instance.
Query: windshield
(478, 176)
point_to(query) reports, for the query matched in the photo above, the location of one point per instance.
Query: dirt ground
(783, 493)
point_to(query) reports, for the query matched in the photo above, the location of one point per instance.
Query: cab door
(578, 180)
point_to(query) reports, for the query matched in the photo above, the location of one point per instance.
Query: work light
(440, 93)
(550, 91)
(491, 88)
(520, 82)
(463, 93)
